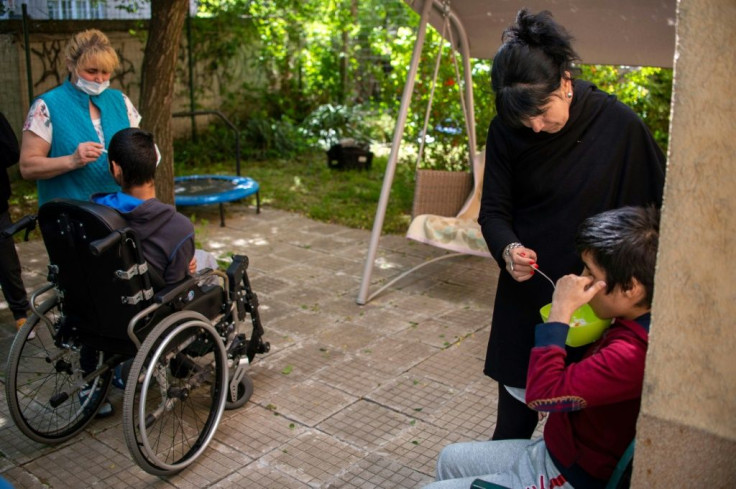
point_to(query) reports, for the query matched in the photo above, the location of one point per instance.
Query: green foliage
(646, 90)
(329, 70)
(298, 75)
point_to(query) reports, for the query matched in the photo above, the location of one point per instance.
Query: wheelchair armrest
(170, 292)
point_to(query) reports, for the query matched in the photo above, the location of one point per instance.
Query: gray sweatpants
(516, 464)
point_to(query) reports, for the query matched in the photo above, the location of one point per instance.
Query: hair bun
(541, 31)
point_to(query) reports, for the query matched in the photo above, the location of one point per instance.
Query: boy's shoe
(19, 324)
(117, 377)
(120, 373)
(106, 408)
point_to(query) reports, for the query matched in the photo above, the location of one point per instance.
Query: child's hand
(571, 292)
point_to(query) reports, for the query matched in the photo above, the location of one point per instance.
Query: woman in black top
(559, 150)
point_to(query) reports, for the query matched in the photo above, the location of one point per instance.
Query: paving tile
(270, 309)
(296, 254)
(349, 396)
(471, 415)
(15, 446)
(474, 318)
(476, 344)
(346, 337)
(457, 294)
(343, 307)
(217, 462)
(268, 264)
(435, 333)
(413, 395)
(339, 283)
(423, 306)
(303, 360)
(366, 425)
(313, 458)
(354, 375)
(256, 475)
(453, 367)
(20, 478)
(133, 477)
(310, 402)
(255, 430)
(330, 243)
(79, 464)
(386, 321)
(302, 323)
(392, 355)
(380, 472)
(268, 285)
(268, 379)
(304, 271)
(418, 447)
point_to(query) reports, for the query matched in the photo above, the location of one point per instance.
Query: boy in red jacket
(593, 403)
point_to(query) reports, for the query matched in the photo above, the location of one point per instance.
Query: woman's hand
(35, 163)
(86, 153)
(519, 263)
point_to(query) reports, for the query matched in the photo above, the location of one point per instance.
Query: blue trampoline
(214, 189)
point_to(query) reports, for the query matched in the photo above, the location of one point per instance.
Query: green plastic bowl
(589, 326)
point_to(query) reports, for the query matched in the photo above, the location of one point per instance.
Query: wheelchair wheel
(175, 394)
(239, 394)
(44, 386)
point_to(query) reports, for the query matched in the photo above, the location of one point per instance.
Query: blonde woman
(68, 128)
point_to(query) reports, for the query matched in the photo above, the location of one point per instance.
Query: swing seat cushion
(450, 233)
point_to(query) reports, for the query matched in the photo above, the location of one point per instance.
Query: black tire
(171, 413)
(42, 381)
(242, 395)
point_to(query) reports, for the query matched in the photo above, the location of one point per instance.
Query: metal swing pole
(388, 177)
(401, 123)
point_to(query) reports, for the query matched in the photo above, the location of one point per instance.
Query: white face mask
(90, 87)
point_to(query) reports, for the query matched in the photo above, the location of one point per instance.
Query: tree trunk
(157, 85)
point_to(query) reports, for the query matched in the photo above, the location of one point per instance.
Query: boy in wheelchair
(117, 296)
(166, 237)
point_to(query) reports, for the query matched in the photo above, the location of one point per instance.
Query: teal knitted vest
(71, 122)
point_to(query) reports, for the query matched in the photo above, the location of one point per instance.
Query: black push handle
(26, 222)
(99, 246)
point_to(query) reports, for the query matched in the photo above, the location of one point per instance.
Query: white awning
(615, 32)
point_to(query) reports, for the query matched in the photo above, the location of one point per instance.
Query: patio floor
(348, 397)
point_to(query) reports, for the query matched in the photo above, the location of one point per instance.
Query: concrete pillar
(686, 434)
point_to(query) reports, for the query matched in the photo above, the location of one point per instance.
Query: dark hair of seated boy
(593, 403)
(167, 237)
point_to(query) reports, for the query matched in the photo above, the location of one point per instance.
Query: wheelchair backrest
(102, 291)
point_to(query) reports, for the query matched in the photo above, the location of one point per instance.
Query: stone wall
(686, 435)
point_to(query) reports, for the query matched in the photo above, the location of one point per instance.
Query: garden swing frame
(477, 26)
(443, 196)
(442, 6)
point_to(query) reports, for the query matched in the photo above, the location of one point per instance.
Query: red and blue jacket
(593, 403)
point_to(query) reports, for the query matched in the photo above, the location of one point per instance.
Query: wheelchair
(102, 308)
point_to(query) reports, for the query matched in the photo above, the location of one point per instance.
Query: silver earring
(569, 94)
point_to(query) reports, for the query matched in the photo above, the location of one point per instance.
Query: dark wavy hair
(527, 69)
(134, 151)
(623, 242)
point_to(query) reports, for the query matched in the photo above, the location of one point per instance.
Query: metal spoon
(545, 276)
